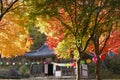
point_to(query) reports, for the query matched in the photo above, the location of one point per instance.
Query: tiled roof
(42, 52)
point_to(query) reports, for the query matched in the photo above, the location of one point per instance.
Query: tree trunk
(98, 77)
(78, 69)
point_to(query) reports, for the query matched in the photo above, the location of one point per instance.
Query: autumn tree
(111, 47)
(106, 36)
(14, 37)
(72, 24)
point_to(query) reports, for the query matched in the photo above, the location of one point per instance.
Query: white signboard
(84, 73)
(46, 69)
(84, 69)
(58, 73)
(84, 66)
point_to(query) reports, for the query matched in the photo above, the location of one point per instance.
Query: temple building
(45, 63)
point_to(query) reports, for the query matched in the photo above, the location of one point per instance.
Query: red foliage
(113, 43)
(57, 31)
(52, 42)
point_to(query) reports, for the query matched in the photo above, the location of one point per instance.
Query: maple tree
(14, 41)
(14, 37)
(101, 39)
(104, 46)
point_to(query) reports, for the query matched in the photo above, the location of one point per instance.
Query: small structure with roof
(46, 63)
(39, 57)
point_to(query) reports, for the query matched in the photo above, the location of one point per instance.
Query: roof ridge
(41, 47)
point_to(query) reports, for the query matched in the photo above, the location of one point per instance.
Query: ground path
(51, 78)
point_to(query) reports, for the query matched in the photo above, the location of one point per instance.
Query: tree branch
(1, 2)
(69, 12)
(105, 42)
(66, 26)
(7, 10)
(103, 17)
